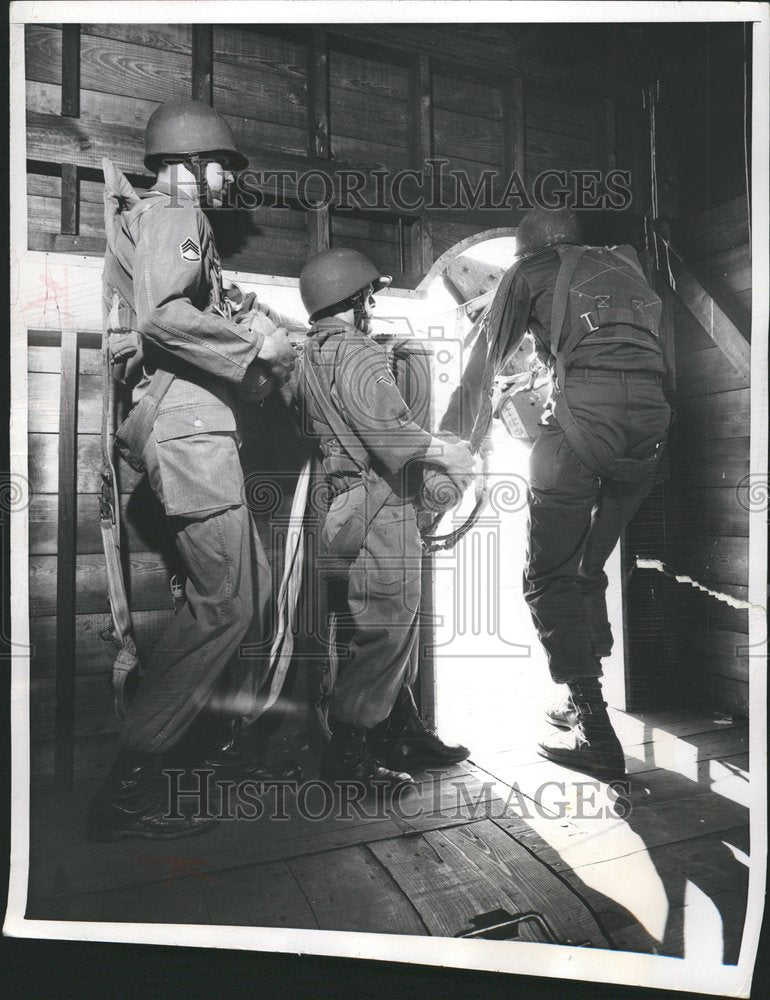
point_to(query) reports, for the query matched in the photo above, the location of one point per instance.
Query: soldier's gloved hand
(278, 353)
(456, 459)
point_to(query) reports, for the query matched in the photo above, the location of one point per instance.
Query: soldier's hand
(278, 353)
(457, 461)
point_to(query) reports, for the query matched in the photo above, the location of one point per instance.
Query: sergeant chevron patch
(190, 250)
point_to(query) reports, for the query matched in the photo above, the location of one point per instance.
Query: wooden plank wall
(260, 80)
(714, 425)
(149, 565)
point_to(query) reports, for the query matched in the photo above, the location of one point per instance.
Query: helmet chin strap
(197, 167)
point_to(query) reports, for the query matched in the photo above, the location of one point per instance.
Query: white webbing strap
(288, 596)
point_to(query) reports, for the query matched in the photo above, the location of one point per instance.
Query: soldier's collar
(177, 192)
(332, 324)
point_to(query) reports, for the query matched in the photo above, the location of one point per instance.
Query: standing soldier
(163, 279)
(595, 322)
(368, 439)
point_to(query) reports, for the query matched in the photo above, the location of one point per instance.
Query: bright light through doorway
(492, 680)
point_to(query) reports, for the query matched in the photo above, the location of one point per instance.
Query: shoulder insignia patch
(385, 379)
(189, 250)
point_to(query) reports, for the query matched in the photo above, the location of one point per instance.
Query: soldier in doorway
(164, 281)
(595, 322)
(370, 538)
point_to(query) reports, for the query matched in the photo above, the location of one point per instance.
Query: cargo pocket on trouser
(387, 572)
(197, 469)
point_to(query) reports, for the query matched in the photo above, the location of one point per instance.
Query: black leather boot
(562, 714)
(347, 758)
(132, 804)
(409, 742)
(591, 745)
(233, 754)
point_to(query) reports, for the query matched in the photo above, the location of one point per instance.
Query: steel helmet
(544, 227)
(332, 276)
(186, 128)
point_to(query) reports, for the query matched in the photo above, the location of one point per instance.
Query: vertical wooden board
(70, 200)
(63, 582)
(421, 111)
(318, 230)
(514, 124)
(319, 128)
(202, 63)
(70, 71)
(349, 890)
(421, 256)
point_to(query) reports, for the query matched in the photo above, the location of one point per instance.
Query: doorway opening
(491, 683)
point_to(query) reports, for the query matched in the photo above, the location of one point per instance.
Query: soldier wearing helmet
(182, 429)
(370, 542)
(595, 322)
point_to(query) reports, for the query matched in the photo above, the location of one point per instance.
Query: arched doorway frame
(455, 251)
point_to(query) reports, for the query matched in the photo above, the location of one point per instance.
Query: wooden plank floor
(640, 867)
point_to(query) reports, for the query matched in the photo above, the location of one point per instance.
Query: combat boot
(408, 742)
(347, 759)
(231, 753)
(591, 745)
(562, 714)
(132, 804)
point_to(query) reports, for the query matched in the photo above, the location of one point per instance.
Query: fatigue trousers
(576, 518)
(227, 588)
(377, 606)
